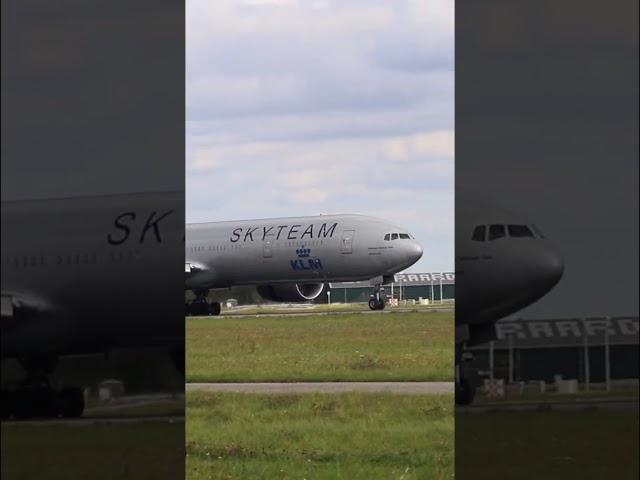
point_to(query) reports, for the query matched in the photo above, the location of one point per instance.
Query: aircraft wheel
(215, 308)
(70, 403)
(35, 403)
(199, 308)
(8, 404)
(381, 304)
(373, 304)
(464, 392)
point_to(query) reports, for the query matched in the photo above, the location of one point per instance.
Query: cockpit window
(538, 231)
(496, 231)
(519, 231)
(479, 233)
(387, 237)
(394, 236)
(405, 236)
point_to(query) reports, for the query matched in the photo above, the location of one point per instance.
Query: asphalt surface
(88, 421)
(405, 388)
(311, 310)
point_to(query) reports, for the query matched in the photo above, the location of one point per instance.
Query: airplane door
(347, 241)
(267, 249)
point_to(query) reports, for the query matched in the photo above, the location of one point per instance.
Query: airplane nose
(552, 265)
(414, 252)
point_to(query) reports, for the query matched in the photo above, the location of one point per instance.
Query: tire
(373, 304)
(8, 404)
(464, 392)
(215, 308)
(70, 403)
(198, 309)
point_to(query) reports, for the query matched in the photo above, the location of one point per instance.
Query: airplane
(86, 276)
(503, 264)
(291, 259)
(83, 276)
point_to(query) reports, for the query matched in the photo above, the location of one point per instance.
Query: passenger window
(394, 236)
(479, 233)
(405, 236)
(520, 231)
(387, 237)
(496, 231)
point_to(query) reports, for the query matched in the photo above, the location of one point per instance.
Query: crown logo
(303, 252)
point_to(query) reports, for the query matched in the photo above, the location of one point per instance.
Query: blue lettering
(310, 264)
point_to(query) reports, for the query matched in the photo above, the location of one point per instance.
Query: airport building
(589, 350)
(406, 286)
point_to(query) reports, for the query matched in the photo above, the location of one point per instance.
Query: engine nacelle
(291, 292)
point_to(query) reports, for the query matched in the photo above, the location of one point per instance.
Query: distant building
(573, 348)
(406, 286)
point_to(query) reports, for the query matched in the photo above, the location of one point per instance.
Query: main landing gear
(35, 397)
(200, 306)
(376, 302)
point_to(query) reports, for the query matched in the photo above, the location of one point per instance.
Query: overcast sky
(308, 107)
(548, 126)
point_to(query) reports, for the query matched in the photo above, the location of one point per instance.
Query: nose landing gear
(35, 397)
(376, 302)
(201, 306)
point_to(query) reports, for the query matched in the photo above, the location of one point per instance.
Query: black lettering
(153, 223)
(293, 230)
(118, 222)
(249, 233)
(280, 228)
(308, 231)
(236, 235)
(266, 232)
(327, 233)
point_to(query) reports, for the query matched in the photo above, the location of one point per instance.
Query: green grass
(139, 451)
(347, 436)
(587, 445)
(409, 346)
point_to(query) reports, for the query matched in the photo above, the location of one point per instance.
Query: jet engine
(291, 292)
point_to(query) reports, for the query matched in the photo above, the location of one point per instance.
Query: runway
(404, 388)
(89, 421)
(253, 311)
(325, 314)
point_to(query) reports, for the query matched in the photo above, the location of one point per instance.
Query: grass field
(349, 436)
(138, 451)
(592, 444)
(375, 347)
